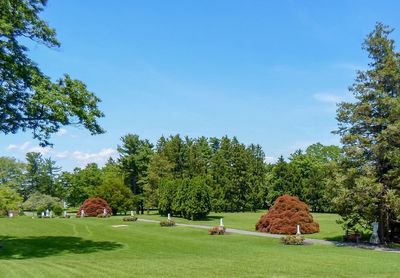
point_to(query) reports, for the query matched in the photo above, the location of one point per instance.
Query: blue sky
(268, 72)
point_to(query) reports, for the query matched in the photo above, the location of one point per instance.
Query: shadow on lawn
(18, 248)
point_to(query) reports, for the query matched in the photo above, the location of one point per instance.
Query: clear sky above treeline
(268, 72)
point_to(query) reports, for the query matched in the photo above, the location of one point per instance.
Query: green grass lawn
(91, 246)
(329, 229)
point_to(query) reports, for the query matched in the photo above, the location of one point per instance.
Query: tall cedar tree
(370, 132)
(135, 156)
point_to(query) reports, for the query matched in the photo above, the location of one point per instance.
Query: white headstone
(374, 239)
(298, 230)
(221, 222)
(42, 214)
(10, 214)
(47, 213)
(105, 211)
(82, 213)
(132, 213)
(169, 216)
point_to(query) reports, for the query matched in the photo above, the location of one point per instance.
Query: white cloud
(41, 150)
(80, 157)
(27, 147)
(328, 98)
(61, 132)
(19, 147)
(97, 157)
(270, 159)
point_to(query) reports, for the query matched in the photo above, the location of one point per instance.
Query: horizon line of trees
(203, 174)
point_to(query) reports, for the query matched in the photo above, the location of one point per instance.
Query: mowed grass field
(92, 247)
(329, 229)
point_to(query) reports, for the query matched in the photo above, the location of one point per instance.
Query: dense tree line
(184, 176)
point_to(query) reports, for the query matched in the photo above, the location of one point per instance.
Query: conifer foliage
(284, 216)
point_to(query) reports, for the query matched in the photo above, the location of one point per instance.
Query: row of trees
(184, 176)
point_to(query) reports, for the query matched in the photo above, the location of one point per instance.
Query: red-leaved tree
(284, 216)
(94, 207)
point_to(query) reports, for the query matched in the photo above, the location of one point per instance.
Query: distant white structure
(221, 222)
(82, 213)
(169, 216)
(132, 214)
(298, 233)
(104, 211)
(10, 214)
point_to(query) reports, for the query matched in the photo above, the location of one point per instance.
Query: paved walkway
(307, 240)
(242, 232)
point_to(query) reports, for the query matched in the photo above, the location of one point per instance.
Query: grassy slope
(329, 229)
(83, 247)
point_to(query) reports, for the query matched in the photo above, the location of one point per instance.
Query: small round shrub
(94, 207)
(57, 210)
(284, 216)
(292, 240)
(129, 218)
(167, 223)
(217, 230)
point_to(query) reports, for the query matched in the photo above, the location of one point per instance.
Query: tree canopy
(30, 100)
(370, 132)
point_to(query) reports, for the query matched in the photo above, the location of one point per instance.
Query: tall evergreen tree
(370, 132)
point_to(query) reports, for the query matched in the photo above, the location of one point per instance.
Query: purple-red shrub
(94, 207)
(284, 216)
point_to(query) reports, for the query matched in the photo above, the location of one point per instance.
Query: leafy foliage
(284, 216)
(117, 195)
(9, 200)
(369, 128)
(94, 207)
(29, 100)
(38, 201)
(292, 240)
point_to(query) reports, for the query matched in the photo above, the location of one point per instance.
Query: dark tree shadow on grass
(18, 248)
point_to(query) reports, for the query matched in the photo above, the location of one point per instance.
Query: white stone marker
(298, 230)
(82, 213)
(374, 239)
(42, 214)
(169, 216)
(47, 213)
(221, 222)
(10, 214)
(132, 213)
(104, 211)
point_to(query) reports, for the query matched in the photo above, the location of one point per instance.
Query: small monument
(298, 233)
(82, 213)
(47, 213)
(169, 216)
(132, 214)
(104, 211)
(42, 214)
(374, 239)
(221, 223)
(10, 214)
